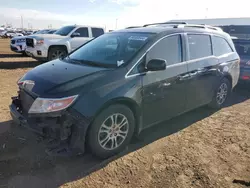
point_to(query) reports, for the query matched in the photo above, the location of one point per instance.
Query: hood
(58, 77)
(48, 36)
(18, 37)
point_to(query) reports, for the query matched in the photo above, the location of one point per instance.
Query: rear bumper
(244, 74)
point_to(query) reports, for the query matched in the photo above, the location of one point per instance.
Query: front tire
(111, 131)
(57, 52)
(221, 94)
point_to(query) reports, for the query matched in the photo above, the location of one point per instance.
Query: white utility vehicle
(63, 41)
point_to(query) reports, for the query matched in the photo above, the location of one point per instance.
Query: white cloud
(148, 11)
(41, 19)
(135, 12)
(126, 2)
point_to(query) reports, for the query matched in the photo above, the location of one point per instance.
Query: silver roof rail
(164, 23)
(180, 24)
(199, 26)
(132, 27)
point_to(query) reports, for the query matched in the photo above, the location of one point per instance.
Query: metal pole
(22, 21)
(116, 22)
(206, 12)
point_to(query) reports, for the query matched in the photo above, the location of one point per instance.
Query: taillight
(245, 77)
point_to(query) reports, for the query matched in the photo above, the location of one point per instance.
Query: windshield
(42, 32)
(51, 31)
(112, 49)
(243, 49)
(64, 31)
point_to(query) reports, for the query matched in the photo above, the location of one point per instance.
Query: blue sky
(67, 6)
(41, 13)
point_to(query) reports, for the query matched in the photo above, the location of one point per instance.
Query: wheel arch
(229, 78)
(131, 104)
(58, 45)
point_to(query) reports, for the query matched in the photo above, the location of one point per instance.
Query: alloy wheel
(113, 131)
(58, 54)
(222, 93)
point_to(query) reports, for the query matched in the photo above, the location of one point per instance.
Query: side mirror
(75, 34)
(156, 65)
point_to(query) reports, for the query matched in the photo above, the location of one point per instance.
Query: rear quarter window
(199, 46)
(221, 46)
(96, 32)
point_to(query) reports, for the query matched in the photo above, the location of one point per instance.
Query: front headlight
(46, 105)
(39, 41)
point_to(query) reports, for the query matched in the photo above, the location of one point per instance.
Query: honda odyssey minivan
(122, 82)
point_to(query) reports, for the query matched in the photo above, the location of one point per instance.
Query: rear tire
(111, 131)
(221, 95)
(57, 52)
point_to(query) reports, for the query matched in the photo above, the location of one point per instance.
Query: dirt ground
(202, 148)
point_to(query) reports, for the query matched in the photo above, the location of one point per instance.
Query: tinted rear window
(199, 46)
(96, 32)
(220, 46)
(242, 48)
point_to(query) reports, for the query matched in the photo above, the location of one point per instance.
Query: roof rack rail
(131, 27)
(204, 26)
(163, 23)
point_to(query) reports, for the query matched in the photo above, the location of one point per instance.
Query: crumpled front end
(65, 129)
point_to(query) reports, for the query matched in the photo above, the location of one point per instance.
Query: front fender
(58, 42)
(125, 90)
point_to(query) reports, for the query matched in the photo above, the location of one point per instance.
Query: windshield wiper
(87, 62)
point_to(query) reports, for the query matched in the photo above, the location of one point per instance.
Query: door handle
(166, 84)
(184, 77)
(192, 74)
(202, 70)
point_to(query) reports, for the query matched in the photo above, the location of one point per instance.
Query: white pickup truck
(63, 41)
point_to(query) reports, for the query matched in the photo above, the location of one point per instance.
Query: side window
(220, 46)
(96, 32)
(199, 46)
(83, 31)
(169, 49)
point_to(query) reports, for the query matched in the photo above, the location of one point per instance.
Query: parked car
(62, 42)
(124, 81)
(18, 44)
(8, 34)
(44, 31)
(52, 31)
(243, 48)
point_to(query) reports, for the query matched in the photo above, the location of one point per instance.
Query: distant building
(218, 21)
(237, 27)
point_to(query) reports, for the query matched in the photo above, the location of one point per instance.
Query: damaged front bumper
(66, 130)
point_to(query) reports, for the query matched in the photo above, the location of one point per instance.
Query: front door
(81, 39)
(164, 91)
